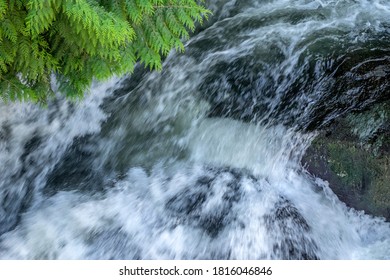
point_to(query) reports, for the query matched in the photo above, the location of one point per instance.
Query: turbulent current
(203, 160)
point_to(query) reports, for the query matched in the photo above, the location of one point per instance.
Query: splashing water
(202, 161)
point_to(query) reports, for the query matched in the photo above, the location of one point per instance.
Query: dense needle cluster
(78, 40)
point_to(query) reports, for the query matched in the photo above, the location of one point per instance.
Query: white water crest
(32, 141)
(202, 160)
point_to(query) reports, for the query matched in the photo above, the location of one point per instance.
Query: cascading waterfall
(202, 160)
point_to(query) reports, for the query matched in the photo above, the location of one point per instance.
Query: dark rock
(75, 171)
(188, 206)
(294, 242)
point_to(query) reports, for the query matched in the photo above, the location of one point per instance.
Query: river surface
(202, 160)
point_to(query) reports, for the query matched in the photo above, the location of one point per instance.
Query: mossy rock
(353, 155)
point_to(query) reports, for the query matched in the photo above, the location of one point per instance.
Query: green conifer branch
(82, 40)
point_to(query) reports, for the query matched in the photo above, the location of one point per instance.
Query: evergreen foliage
(78, 40)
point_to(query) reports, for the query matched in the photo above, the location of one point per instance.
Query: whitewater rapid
(202, 160)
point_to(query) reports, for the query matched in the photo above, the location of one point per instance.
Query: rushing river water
(202, 160)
